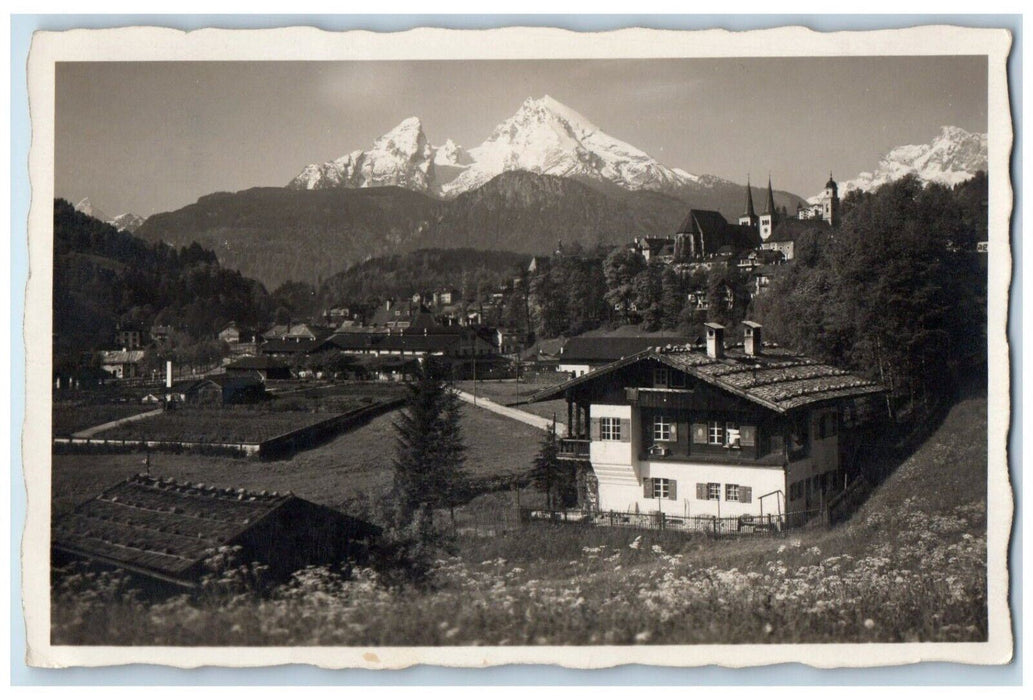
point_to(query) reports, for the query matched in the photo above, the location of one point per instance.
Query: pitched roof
(703, 221)
(608, 348)
(791, 229)
(290, 346)
(778, 379)
(749, 201)
(160, 526)
(769, 206)
(256, 363)
(166, 529)
(110, 357)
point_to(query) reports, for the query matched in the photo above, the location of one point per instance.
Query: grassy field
(910, 565)
(68, 418)
(215, 425)
(332, 474)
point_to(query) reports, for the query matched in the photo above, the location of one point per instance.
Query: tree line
(897, 292)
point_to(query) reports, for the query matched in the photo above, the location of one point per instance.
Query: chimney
(168, 374)
(752, 344)
(715, 340)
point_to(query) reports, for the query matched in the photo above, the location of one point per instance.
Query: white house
(726, 433)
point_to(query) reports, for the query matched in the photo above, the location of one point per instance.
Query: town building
(129, 336)
(122, 364)
(166, 530)
(582, 354)
(720, 432)
(265, 367)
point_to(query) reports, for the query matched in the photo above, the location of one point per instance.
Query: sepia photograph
(684, 354)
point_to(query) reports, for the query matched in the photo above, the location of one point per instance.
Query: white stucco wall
(629, 496)
(576, 369)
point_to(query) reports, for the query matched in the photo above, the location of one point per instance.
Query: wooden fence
(741, 525)
(276, 447)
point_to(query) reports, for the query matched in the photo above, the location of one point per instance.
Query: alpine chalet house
(746, 431)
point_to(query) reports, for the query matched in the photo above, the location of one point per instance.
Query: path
(514, 413)
(90, 432)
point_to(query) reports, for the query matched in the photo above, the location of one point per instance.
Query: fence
(741, 525)
(280, 446)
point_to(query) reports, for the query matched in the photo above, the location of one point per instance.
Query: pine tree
(453, 481)
(545, 474)
(428, 468)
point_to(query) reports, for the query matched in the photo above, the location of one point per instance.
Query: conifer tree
(545, 474)
(428, 467)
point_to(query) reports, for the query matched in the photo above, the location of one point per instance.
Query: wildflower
(869, 623)
(781, 548)
(636, 543)
(768, 629)
(643, 637)
(657, 549)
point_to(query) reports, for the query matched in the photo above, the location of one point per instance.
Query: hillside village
(706, 384)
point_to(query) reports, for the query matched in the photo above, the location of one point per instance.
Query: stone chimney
(752, 344)
(715, 340)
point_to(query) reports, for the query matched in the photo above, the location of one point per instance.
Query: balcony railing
(572, 448)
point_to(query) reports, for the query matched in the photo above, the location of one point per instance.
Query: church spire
(749, 200)
(771, 199)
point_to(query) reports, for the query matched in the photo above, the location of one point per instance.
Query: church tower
(768, 218)
(830, 202)
(749, 218)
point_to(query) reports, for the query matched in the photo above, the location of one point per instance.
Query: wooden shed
(165, 530)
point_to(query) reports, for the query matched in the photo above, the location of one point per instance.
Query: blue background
(22, 27)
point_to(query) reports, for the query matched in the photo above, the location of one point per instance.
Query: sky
(149, 137)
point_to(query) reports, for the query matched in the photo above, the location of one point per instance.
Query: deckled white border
(302, 43)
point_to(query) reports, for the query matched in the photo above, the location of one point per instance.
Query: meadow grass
(71, 418)
(334, 473)
(910, 565)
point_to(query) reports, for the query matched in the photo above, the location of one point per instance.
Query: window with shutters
(715, 433)
(610, 429)
(713, 492)
(661, 488)
(731, 492)
(662, 428)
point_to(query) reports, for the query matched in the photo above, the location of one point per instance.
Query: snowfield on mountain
(544, 137)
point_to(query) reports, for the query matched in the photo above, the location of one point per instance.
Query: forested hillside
(103, 276)
(466, 270)
(279, 234)
(897, 292)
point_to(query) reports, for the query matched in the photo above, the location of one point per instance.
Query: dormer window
(661, 377)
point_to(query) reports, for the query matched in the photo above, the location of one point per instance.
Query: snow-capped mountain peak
(86, 207)
(127, 222)
(547, 137)
(544, 136)
(450, 154)
(123, 222)
(400, 157)
(953, 156)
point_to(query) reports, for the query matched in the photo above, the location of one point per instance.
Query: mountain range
(545, 174)
(953, 156)
(544, 137)
(128, 222)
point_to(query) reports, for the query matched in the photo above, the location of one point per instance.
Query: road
(514, 413)
(90, 432)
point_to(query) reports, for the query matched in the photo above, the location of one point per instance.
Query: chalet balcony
(573, 448)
